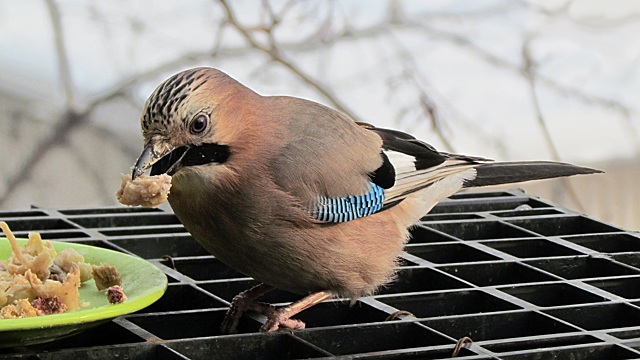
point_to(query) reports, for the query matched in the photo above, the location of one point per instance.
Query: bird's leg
(245, 301)
(276, 318)
(282, 316)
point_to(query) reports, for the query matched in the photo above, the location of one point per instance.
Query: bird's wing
(340, 170)
(322, 157)
(410, 164)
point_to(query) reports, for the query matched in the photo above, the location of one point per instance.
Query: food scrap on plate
(37, 280)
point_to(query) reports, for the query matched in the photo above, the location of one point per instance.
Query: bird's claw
(239, 305)
(232, 318)
(278, 318)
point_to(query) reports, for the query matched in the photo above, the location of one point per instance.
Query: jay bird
(295, 194)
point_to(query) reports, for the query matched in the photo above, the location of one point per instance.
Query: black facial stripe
(206, 154)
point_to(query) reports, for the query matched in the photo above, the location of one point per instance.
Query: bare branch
(527, 66)
(70, 120)
(100, 182)
(63, 59)
(426, 102)
(529, 76)
(61, 131)
(335, 27)
(576, 93)
(117, 140)
(276, 55)
(429, 108)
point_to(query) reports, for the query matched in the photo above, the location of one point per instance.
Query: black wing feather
(385, 175)
(430, 165)
(425, 155)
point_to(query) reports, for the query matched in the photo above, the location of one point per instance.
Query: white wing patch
(408, 179)
(401, 162)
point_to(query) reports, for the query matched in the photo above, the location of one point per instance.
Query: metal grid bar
(521, 277)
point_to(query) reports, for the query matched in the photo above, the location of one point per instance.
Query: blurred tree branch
(329, 30)
(69, 120)
(502, 63)
(528, 73)
(275, 53)
(63, 59)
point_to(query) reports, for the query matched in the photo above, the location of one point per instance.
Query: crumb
(19, 309)
(57, 274)
(115, 294)
(65, 260)
(36, 280)
(47, 306)
(36, 255)
(66, 291)
(145, 190)
(105, 276)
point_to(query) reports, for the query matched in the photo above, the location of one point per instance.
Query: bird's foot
(243, 302)
(281, 318)
(276, 317)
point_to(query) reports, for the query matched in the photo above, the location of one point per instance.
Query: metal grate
(523, 278)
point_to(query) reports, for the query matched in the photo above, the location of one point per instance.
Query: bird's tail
(418, 203)
(512, 172)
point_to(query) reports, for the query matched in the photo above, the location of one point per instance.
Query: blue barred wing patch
(349, 207)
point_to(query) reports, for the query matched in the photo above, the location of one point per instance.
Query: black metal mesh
(522, 278)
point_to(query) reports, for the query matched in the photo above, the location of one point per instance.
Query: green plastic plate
(143, 283)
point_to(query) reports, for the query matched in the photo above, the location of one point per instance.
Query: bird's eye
(199, 124)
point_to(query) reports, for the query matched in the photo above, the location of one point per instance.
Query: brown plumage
(254, 178)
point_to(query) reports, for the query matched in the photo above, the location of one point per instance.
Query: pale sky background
(467, 56)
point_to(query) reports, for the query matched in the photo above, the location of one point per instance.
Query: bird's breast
(259, 236)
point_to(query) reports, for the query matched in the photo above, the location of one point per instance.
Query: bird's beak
(160, 162)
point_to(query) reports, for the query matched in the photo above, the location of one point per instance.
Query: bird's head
(179, 122)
